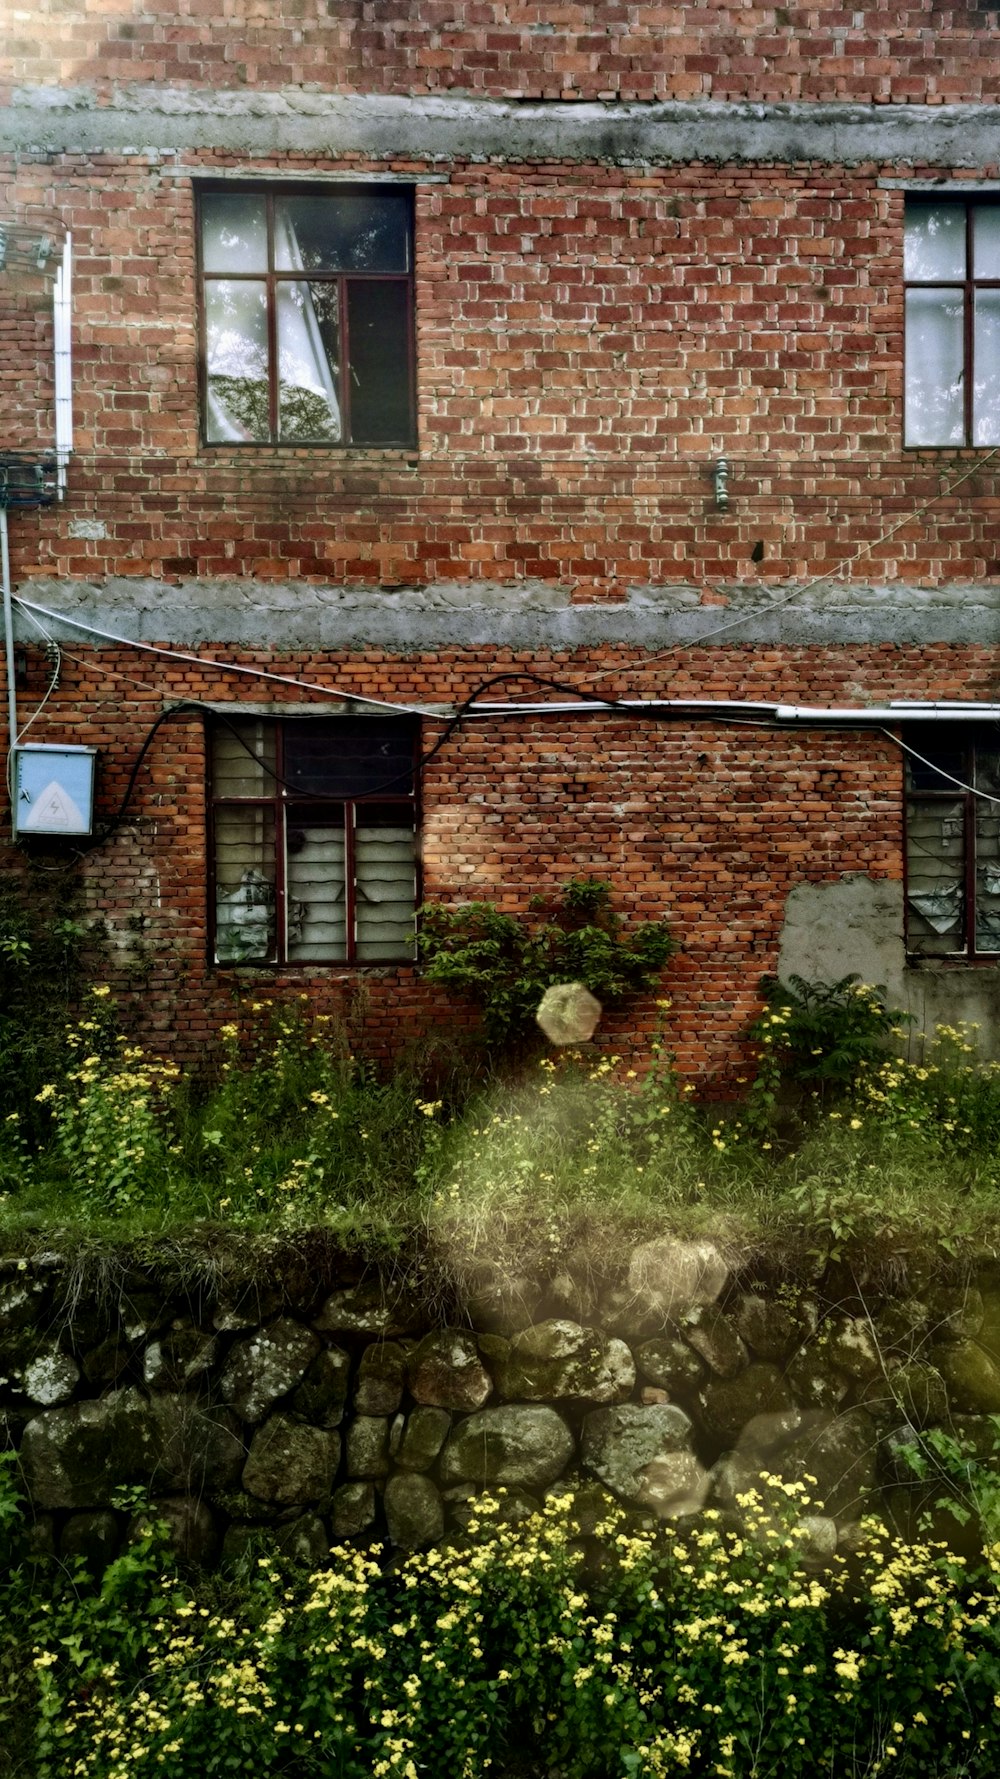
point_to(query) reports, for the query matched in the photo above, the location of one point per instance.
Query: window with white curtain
(307, 315)
(313, 840)
(953, 842)
(952, 276)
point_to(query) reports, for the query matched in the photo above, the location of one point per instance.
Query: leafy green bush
(533, 1647)
(505, 962)
(822, 1035)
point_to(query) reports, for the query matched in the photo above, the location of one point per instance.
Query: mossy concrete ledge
(328, 1402)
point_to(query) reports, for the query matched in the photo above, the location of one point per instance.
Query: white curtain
(237, 348)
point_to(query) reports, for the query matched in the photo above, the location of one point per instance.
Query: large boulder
(668, 1362)
(290, 1463)
(421, 1438)
(368, 1308)
(76, 1457)
(515, 1446)
(381, 1375)
(725, 1405)
(50, 1379)
(414, 1511)
(446, 1371)
(559, 1359)
(971, 1376)
(263, 1367)
(634, 1449)
(666, 1278)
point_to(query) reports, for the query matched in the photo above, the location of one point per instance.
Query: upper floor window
(307, 316)
(952, 271)
(953, 842)
(314, 840)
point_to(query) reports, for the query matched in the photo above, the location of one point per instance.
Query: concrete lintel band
(529, 616)
(148, 120)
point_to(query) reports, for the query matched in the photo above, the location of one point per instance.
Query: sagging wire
(939, 771)
(281, 679)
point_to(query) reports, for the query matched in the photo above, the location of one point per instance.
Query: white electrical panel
(54, 789)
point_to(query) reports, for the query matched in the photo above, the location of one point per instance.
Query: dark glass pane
(378, 324)
(236, 395)
(233, 232)
(308, 361)
(942, 762)
(350, 756)
(347, 232)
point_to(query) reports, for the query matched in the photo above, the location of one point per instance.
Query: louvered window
(953, 843)
(314, 831)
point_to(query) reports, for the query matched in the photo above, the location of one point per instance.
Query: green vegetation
(295, 1134)
(505, 964)
(583, 1648)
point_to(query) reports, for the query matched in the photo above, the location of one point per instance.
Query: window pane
(350, 232)
(308, 361)
(350, 756)
(233, 232)
(934, 379)
(378, 322)
(934, 241)
(986, 241)
(241, 754)
(935, 877)
(385, 888)
(940, 764)
(236, 347)
(987, 877)
(317, 902)
(986, 369)
(244, 886)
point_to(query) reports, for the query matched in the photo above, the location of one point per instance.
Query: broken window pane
(935, 876)
(385, 884)
(245, 902)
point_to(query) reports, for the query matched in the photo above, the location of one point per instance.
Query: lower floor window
(953, 842)
(314, 839)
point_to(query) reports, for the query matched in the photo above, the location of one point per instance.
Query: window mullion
(280, 846)
(272, 326)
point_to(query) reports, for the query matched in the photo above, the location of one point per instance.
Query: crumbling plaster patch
(855, 924)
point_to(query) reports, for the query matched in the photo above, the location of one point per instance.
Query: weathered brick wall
(710, 826)
(589, 341)
(922, 52)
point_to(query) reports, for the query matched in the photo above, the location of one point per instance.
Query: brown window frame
(968, 285)
(343, 281)
(949, 753)
(286, 804)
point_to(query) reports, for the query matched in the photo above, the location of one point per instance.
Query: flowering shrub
(693, 1649)
(108, 1114)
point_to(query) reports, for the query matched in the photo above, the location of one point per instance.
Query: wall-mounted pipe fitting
(720, 476)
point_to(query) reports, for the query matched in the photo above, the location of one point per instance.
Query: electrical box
(53, 789)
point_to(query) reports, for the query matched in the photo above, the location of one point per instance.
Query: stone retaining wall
(324, 1412)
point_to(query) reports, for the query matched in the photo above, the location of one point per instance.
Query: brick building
(632, 370)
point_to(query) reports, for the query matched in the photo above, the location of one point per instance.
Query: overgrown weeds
(296, 1132)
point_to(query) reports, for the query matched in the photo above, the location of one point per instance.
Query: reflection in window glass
(934, 367)
(934, 241)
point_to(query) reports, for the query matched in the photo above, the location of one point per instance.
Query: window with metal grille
(953, 843)
(307, 315)
(314, 840)
(952, 275)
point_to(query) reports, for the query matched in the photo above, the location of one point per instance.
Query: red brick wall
(707, 825)
(589, 340)
(920, 52)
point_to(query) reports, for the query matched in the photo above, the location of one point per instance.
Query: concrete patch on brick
(142, 117)
(526, 614)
